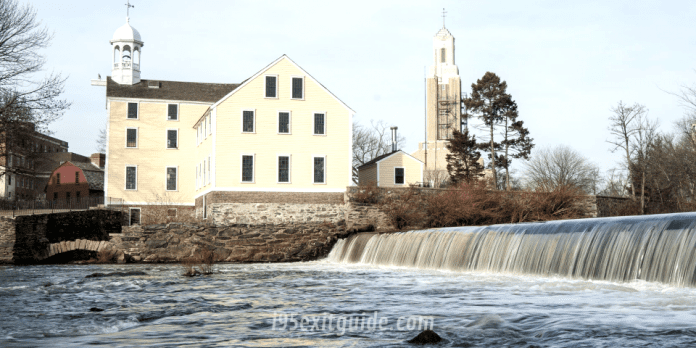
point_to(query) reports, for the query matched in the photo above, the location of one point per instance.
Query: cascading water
(660, 248)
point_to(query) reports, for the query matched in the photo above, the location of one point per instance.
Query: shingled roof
(94, 175)
(170, 90)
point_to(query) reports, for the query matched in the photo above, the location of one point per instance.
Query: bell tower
(442, 107)
(126, 47)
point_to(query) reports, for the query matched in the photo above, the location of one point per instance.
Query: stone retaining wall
(274, 213)
(175, 242)
(7, 239)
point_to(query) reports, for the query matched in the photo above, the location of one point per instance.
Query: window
(442, 55)
(204, 174)
(210, 124)
(173, 112)
(198, 135)
(55, 195)
(131, 177)
(9, 179)
(77, 177)
(77, 196)
(171, 179)
(67, 196)
(58, 178)
(247, 168)
(248, 121)
(208, 178)
(131, 137)
(284, 122)
(319, 169)
(271, 86)
(297, 88)
(205, 131)
(284, 169)
(172, 138)
(134, 216)
(319, 124)
(399, 176)
(133, 110)
(196, 177)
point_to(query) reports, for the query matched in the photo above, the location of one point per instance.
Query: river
(330, 304)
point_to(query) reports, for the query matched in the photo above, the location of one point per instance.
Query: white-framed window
(133, 111)
(319, 123)
(131, 177)
(284, 122)
(319, 169)
(204, 173)
(172, 178)
(284, 165)
(172, 112)
(271, 87)
(209, 120)
(172, 138)
(196, 168)
(131, 137)
(205, 130)
(248, 121)
(133, 216)
(297, 87)
(399, 176)
(208, 177)
(247, 166)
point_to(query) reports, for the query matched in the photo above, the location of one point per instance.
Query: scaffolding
(446, 113)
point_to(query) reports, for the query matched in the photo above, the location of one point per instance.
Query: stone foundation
(175, 242)
(274, 213)
(7, 239)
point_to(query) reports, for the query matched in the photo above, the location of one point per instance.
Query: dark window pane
(131, 137)
(247, 168)
(319, 124)
(248, 122)
(442, 55)
(132, 110)
(77, 177)
(318, 169)
(284, 122)
(271, 87)
(283, 169)
(130, 178)
(57, 178)
(297, 88)
(173, 112)
(398, 175)
(171, 179)
(171, 139)
(135, 216)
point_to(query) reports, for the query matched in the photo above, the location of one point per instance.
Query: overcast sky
(566, 62)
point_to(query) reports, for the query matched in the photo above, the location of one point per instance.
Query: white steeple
(443, 56)
(126, 46)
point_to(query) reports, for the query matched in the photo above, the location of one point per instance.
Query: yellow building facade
(176, 144)
(395, 169)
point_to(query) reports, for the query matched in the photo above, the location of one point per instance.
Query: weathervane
(128, 7)
(444, 14)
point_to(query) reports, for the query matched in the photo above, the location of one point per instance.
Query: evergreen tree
(490, 103)
(463, 158)
(516, 142)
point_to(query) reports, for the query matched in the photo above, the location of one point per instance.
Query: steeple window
(442, 55)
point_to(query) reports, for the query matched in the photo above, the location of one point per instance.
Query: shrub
(404, 210)
(368, 194)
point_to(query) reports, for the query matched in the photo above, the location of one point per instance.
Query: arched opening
(136, 58)
(126, 56)
(117, 56)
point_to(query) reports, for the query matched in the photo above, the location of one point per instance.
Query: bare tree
(644, 138)
(27, 104)
(101, 140)
(370, 142)
(615, 183)
(623, 129)
(552, 168)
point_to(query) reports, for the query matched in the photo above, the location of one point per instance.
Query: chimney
(393, 129)
(98, 159)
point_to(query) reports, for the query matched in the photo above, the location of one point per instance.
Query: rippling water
(239, 306)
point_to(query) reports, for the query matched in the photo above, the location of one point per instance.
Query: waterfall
(660, 248)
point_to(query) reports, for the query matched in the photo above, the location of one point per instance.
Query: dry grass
(473, 204)
(201, 263)
(105, 256)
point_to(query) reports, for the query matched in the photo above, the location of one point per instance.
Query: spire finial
(128, 7)
(444, 14)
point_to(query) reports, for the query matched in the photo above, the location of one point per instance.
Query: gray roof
(94, 175)
(170, 90)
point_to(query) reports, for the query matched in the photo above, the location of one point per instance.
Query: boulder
(426, 337)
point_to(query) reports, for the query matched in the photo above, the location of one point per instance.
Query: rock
(136, 258)
(116, 274)
(120, 257)
(426, 337)
(95, 309)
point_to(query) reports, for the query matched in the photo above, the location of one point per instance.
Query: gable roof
(93, 174)
(170, 90)
(379, 158)
(284, 56)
